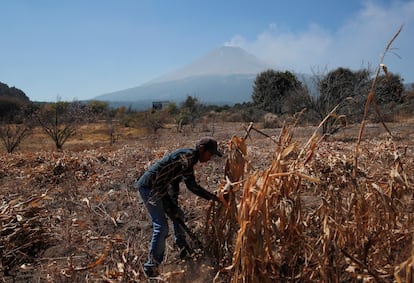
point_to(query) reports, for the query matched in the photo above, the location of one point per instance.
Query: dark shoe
(151, 271)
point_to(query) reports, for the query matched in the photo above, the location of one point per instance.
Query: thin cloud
(357, 43)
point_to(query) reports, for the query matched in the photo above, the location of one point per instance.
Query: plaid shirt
(171, 170)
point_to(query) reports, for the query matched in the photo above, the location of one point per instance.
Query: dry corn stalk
(267, 211)
(222, 217)
(269, 218)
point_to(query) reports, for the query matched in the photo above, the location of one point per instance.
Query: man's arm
(198, 190)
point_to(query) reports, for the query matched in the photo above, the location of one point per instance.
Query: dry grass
(87, 136)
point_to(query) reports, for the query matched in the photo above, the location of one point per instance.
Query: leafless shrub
(15, 126)
(60, 121)
(12, 135)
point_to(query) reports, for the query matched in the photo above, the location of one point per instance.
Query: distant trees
(153, 120)
(97, 109)
(271, 88)
(277, 92)
(408, 95)
(343, 88)
(340, 84)
(297, 100)
(282, 93)
(190, 110)
(180, 117)
(349, 89)
(389, 89)
(186, 114)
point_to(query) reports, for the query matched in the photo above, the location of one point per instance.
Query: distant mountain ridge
(208, 89)
(223, 76)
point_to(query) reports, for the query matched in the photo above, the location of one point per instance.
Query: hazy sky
(79, 49)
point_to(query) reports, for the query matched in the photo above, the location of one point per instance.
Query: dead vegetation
(306, 218)
(292, 210)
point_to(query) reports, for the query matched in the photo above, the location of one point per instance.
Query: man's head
(207, 146)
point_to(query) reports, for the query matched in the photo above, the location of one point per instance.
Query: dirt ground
(75, 216)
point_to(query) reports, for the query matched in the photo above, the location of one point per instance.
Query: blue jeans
(155, 209)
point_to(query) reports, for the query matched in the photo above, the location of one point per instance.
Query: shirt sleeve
(195, 188)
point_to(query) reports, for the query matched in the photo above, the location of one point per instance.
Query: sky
(79, 49)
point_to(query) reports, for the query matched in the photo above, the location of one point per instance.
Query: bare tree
(60, 121)
(113, 137)
(11, 135)
(15, 124)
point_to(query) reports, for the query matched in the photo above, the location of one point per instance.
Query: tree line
(276, 96)
(282, 93)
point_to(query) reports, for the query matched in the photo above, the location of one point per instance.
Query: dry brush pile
(66, 216)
